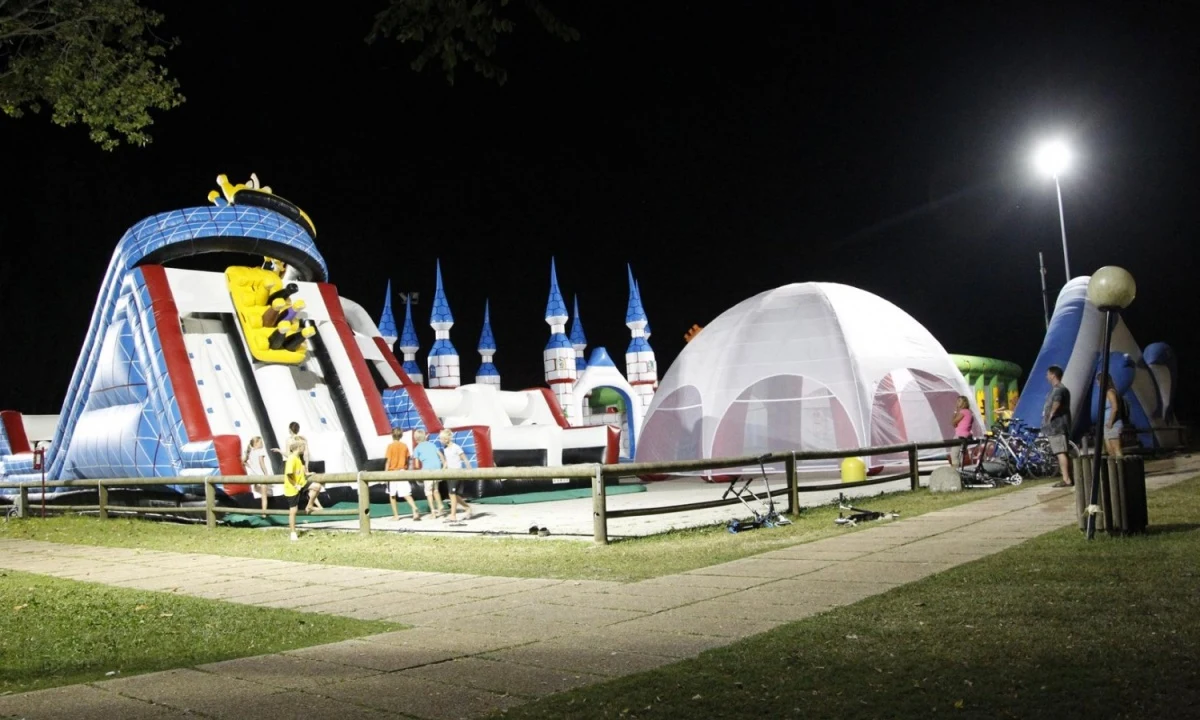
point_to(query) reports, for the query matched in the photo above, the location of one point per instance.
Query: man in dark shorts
(1056, 422)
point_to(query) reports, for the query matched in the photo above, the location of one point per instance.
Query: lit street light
(1052, 158)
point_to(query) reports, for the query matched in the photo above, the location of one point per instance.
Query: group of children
(425, 456)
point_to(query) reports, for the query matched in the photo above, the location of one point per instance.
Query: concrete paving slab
(399, 693)
(503, 677)
(464, 585)
(591, 617)
(469, 643)
(381, 605)
(694, 579)
(293, 595)
(639, 603)
(567, 654)
(673, 621)
(373, 656)
(287, 671)
(741, 608)
(191, 690)
(81, 702)
(865, 570)
(290, 705)
(762, 568)
(646, 642)
(807, 551)
(683, 594)
(834, 592)
(516, 630)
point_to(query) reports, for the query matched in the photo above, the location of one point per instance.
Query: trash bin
(1122, 494)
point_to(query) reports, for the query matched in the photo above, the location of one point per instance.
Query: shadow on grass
(1172, 528)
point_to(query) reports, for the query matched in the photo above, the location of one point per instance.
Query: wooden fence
(598, 474)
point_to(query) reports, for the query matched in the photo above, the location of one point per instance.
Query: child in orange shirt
(398, 459)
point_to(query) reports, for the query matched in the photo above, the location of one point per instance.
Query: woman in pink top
(963, 423)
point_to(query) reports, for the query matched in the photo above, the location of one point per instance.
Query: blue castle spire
(635, 318)
(443, 358)
(578, 339)
(440, 315)
(556, 309)
(488, 373)
(487, 341)
(634, 313)
(387, 321)
(409, 344)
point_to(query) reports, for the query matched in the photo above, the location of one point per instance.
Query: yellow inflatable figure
(249, 288)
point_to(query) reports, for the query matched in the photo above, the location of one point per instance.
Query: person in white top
(255, 462)
(456, 459)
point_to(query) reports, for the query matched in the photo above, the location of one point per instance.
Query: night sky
(720, 151)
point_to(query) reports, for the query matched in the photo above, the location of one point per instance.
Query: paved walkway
(486, 643)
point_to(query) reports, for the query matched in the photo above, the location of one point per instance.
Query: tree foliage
(460, 31)
(95, 62)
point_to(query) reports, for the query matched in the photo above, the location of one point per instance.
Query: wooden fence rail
(597, 473)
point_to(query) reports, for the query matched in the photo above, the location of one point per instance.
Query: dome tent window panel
(911, 406)
(781, 414)
(676, 430)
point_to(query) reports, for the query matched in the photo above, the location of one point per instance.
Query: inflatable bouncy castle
(180, 368)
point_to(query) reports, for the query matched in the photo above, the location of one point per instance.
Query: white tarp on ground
(806, 367)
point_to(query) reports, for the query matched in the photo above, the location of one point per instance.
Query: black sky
(720, 150)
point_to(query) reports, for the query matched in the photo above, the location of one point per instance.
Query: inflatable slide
(1146, 381)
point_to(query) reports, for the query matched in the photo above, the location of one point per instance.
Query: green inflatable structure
(995, 384)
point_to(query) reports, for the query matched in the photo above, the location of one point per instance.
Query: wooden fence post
(793, 484)
(914, 468)
(210, 503)
(599, 508)
(103, 500)
(364, 506)
(23, 502)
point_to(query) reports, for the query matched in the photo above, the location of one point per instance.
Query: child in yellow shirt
(294, 480)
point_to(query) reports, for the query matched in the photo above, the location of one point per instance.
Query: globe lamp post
(1110, 289)
(1053, 158)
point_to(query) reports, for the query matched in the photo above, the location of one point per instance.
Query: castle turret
(578, 339)
(387, 322)
(409, 344)
(640, 368)
(488, 374)
(443, 358)
(558, 359)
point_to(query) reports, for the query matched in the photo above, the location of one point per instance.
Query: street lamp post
(1110, 289)
(1052, 158)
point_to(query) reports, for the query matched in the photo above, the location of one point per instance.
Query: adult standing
(1056, 422)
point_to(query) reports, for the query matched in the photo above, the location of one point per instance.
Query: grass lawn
(626, 560)
(1056, 627)
(58, 632)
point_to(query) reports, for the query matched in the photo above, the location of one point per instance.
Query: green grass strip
(59, 632)
(1056, 627)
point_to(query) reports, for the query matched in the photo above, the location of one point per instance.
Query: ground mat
(536, 497)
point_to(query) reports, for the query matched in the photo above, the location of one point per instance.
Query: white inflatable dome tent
(805, 367)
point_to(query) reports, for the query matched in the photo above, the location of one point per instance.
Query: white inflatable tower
(558, 359)
(409, 344)
(640, 368)
(488, 374)
(443, 358)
